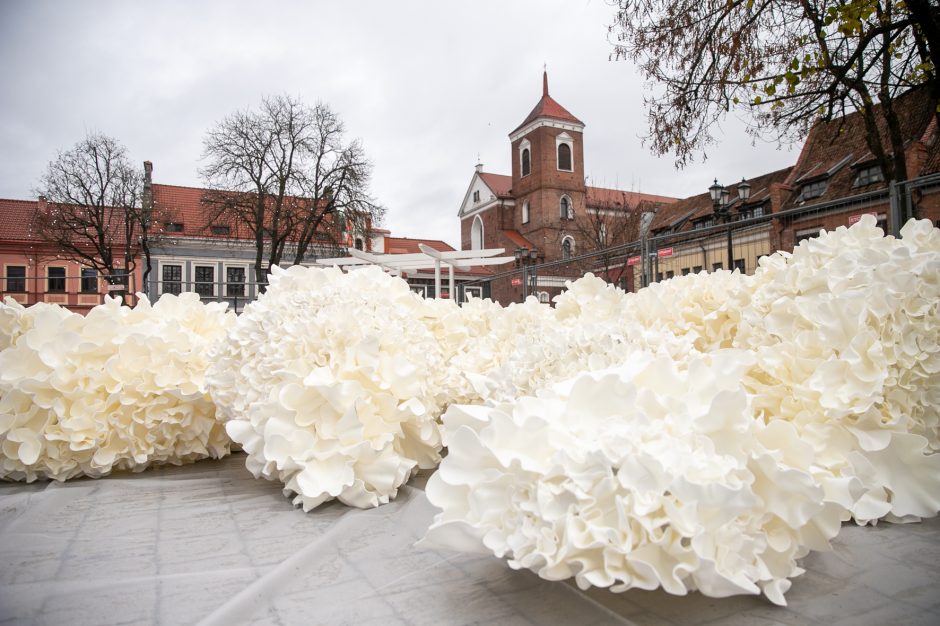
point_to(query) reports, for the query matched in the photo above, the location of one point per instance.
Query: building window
(807, 233)
(56, 279)
(696, 269)
(813, 189)
(717, 266)
(221, 230)
(565, 208)
(358, 244)
(476, 195)
(685, 271)
(602, 234)
(868, 175)
(172, 279)
(526, 164)
(476, 234)
(670, 274)
(174, 227)
(544, 297)
(739, 265)
(235, 282)
(564, 157)
(659, 277)
(525, 212)
(89, 280)
(472, 292)
(205, 281)
(567, 247)
(16, 278)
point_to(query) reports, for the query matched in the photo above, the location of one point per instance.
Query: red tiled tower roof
(547, 107)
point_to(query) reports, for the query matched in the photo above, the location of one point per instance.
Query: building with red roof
(544, 207)
(34, 270)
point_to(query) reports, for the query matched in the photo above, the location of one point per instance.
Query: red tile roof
(15, 218)
(599, 197)
(835, 150)
(547, 107)
(406, 245)
(183, 205)
(499, 183)
(684, 211)
(517, 238)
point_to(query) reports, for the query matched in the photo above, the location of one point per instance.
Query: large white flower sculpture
(119, 388)
(742, 418)
(333, 383)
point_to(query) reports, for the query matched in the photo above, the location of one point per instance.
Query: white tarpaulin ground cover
(209, 544)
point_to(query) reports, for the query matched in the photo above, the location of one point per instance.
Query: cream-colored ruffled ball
(333, 383)
(120, 388)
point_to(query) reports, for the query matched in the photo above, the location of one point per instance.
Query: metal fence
(737, 244)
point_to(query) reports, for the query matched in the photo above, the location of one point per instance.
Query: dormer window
(565, 208)
(221, 230)
(174, 227)
(813, 189)
(525, 157)
(868, 175)
(476, 195)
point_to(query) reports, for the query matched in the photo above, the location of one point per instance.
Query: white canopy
(426, 259)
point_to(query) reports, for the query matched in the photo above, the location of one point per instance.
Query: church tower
(548, 174)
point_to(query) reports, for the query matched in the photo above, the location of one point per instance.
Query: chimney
(43, 203)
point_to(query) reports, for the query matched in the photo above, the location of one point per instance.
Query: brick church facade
(544, 211)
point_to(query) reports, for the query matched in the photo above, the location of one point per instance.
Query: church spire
(545, 82)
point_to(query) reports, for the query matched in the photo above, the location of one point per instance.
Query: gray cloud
(426, 85)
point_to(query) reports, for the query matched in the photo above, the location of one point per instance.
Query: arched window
(476, 234)
(543, 297)
(564, 157)
(358, 243)
(525, 212)
(602, 234)
(526, 164)
(565, 208)
(567, 247)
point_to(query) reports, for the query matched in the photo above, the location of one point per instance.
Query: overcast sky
(426, 86)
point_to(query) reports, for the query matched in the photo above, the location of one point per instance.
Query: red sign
(634, 260)
(516, 282)
(856, 218)
(664, 253)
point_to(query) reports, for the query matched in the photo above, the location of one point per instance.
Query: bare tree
(784, 64)
(603, 227)
(284, 173)
(93, 210)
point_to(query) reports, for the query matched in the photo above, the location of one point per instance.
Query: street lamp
(524, 258)
(722, 208)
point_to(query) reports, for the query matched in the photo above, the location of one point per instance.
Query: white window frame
(569, 214)
(476, 241)
(160, 281)
(563, 240)
(525, 212)
(544, 298)
(421, 290)
(523, 146)
(564, 138)
(472, 290)
(224, 280)
(215, 283)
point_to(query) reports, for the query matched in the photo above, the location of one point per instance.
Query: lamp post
(525, 257)
(722, 208)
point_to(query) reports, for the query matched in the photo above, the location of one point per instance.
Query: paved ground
(209, 544)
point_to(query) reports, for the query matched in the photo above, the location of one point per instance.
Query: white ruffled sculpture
(747, 417)
(120, 388)
(333, 383)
